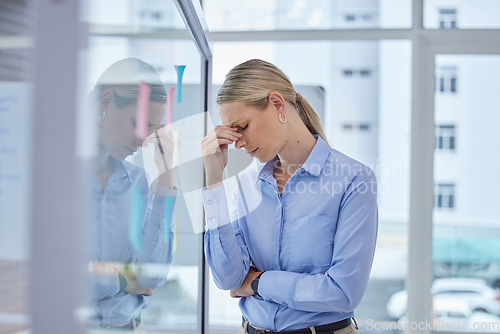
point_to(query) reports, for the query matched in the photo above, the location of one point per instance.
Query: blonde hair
(253, 81)
(124, 77)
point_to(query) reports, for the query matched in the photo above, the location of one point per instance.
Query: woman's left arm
(344, 283)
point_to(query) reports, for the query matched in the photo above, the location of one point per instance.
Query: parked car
(456, 316)
(478, 295)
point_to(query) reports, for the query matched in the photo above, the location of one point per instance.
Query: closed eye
(244, 128)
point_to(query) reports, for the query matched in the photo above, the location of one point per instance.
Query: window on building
(350, 17)
(360, 126)
(447, 18)
(363, 73)
(446, 79)
(367, 17)
(364, 127)
(444, 195)
(348, 72)
(445, 137)
(347, 126)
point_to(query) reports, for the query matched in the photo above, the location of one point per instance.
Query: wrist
(255, 284)
(123, 282)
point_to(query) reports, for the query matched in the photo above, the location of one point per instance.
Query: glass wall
(15, 163)
(145, 120)
(361, 91)
(466, 233)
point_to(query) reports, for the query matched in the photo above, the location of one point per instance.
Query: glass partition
(145, 120)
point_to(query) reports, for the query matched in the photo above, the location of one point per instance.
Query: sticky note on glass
(136, 218)
(180, 72)
(141, 119)
(169, 116)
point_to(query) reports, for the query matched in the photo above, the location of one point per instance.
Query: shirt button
(214, 220)
(210, 202)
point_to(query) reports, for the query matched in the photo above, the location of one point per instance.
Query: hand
(133, 287)
(166, 149)
(214, 149)
(245, 289)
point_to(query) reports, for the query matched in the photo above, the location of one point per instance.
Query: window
(446, 78)
(445, 137)
(363, 72)
(360, 126)
(364, 127)
(444, 195)
(348, 73)
(447, 18)
(350, 17)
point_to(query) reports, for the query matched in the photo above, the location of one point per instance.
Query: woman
(131, 218)
(298, 242)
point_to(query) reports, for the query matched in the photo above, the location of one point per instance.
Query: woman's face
(263, 133)
(118, 127)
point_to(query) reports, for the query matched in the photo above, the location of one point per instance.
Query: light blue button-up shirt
(110, 241)
(315, 243)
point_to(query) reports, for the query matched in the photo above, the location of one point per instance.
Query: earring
(282, 118)
(103, 116)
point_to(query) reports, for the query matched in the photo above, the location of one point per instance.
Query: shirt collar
(121, 169)
(313, 165)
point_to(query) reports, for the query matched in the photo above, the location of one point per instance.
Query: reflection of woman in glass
(131, 235)
(298, 241)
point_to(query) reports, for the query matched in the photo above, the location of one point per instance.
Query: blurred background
(408, 87)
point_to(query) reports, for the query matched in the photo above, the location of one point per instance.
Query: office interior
(407, 87)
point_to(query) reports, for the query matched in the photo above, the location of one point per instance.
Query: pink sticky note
(170, 106)
(141, 120)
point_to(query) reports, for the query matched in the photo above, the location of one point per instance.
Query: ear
(277, 101)
(107, 97)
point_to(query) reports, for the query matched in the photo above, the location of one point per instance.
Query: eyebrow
(235, 123)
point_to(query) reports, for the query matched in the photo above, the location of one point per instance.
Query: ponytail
(309, 116)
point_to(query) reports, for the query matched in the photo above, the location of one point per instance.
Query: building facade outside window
(444, 196)
(446, 79)
(445, 137)
(447, 18)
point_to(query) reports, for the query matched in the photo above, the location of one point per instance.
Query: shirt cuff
(278, 286)
(216, 207)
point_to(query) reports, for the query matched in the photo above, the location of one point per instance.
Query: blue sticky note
(168, 218)
(136, 217)
(180, 72)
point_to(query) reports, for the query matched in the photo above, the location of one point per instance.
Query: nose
(240, 143)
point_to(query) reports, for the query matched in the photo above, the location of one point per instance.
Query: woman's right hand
(214, 149)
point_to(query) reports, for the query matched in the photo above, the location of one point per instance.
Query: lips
(253, 152)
